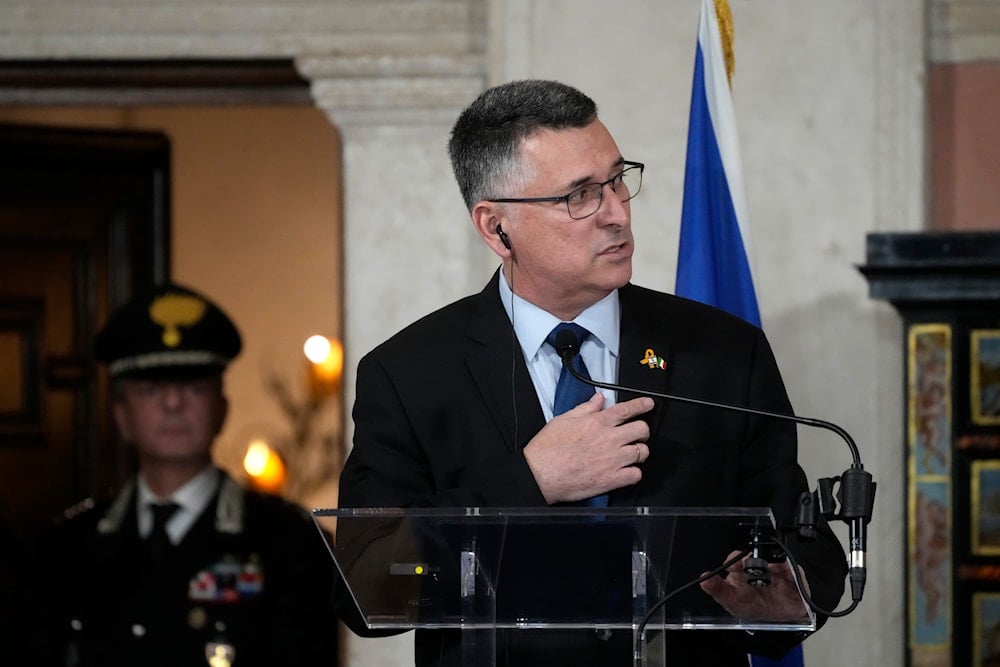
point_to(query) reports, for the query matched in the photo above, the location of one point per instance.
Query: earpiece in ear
(504, 239)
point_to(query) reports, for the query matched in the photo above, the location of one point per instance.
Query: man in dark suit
(462, 408)
(184, 567)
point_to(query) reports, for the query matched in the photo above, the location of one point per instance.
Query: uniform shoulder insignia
(229, 511)
(112, 520)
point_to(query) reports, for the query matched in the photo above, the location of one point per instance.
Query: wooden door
(83, 225)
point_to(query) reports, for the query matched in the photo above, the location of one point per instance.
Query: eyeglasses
(586, 199)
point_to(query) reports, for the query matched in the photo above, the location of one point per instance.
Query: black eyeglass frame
(628, 165)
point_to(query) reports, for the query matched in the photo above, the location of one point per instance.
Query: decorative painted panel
(929, 412)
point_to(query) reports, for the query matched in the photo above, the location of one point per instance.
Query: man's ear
(488, 217)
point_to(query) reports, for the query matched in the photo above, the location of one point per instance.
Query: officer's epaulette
(79, 508)
(112, 520)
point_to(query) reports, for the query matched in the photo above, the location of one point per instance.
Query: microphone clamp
(755, 566)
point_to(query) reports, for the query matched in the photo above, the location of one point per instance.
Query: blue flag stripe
(712, 265)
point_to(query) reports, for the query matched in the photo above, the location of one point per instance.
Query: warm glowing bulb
(264, 466)
(326, 363)
(317, 349)
(255, 460)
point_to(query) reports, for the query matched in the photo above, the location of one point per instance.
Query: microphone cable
(513, 353)
(641, 627)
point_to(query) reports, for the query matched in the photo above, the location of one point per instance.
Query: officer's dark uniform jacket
(249, 583)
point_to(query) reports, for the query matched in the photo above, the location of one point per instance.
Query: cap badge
(220, 654)
(653, 361)
(172, 311)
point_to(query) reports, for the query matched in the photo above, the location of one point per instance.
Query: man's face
(171, 421)
(561, 264)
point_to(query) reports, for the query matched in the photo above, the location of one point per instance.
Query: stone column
(409, 246)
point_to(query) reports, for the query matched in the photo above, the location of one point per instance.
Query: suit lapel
(644, 363)
(646, 351)
(496, 364)
(492, 350)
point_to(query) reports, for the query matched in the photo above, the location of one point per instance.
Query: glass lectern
(483, 569)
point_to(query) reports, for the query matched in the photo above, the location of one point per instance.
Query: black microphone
(857, 490)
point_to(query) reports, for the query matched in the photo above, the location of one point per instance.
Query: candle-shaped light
(326, 358)
(264, 466)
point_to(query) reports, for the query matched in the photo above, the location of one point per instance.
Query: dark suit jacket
(445, 407)
(267, 581)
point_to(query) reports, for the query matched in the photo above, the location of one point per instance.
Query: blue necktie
(571, 392)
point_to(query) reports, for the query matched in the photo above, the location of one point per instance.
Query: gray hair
(486, 140)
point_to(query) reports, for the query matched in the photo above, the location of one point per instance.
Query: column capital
(407, 90)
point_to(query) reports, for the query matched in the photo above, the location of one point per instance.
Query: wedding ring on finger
(638, 454)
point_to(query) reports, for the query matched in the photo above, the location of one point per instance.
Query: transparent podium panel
(482, 569)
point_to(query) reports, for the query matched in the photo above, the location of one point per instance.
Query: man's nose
(612, 211)
(173, 395)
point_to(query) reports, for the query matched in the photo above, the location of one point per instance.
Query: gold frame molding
(976, 339)
(976, 491)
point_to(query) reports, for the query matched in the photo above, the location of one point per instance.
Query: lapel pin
(653, 361)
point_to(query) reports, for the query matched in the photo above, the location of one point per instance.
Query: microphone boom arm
(856, 493)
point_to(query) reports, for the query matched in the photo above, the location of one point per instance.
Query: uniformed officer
(184, 566)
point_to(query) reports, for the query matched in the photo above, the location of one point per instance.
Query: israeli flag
(713, 263)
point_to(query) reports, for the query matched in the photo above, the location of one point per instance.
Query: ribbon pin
(653, 361)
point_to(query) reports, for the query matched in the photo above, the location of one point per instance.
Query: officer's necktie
(571, 392)
(158, 540)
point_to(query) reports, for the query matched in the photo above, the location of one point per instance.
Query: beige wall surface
(256, 227)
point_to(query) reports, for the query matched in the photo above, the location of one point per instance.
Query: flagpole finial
(725, 19)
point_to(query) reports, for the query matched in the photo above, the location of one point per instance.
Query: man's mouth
(614, 249)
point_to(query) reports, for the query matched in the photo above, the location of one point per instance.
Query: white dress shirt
(192, 498)
(599, 351)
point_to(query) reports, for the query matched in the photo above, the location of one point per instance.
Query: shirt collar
(532, 324)
(194, 496)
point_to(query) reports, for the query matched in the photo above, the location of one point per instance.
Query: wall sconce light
(311, 450)
(326, 365)
(264, 466)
